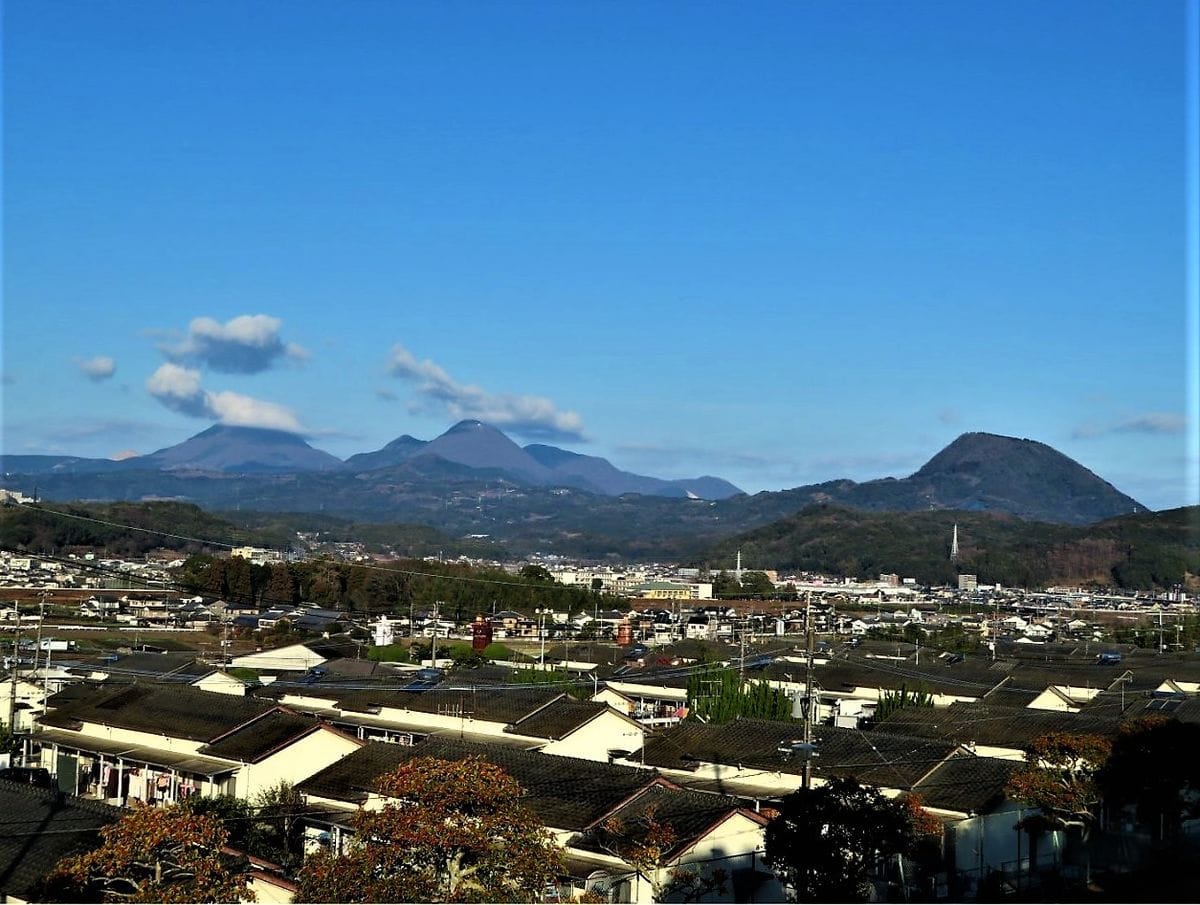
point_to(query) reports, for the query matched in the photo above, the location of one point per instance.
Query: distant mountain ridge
(981, 472)
(240, 450)
(475, 481)
(470, 445)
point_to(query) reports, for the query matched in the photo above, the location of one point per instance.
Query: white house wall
(221, 683)
(594, 739)
(161, 741)
(734, 845)
(295, 762)
(989, 842)
(292, 657)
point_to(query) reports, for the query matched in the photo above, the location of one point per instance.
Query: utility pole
(809, 631)
(16, 659)
(37, 650)
(433, 646)
(742, 668)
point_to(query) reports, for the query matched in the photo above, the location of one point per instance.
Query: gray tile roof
(689, 815)
(967, 784)
(500, 704)
(186, 712)
(40, 827)
(177, 667)
(262, 737)
(969, 679)
(558, 718)
(880, 759)
(989, 724)
(565, 792)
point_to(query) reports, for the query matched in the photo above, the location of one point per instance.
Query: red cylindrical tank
(481, 633)
(624, 633)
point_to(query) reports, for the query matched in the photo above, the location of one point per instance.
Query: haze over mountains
(474, 481)
(229, 450)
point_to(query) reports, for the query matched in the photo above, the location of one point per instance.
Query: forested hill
(1148, 549)
(117, 529)
(134, 529)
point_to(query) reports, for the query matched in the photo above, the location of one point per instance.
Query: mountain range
(473, 480)
(230, 450)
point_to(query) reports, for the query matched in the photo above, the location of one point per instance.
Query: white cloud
(179, 389)
(101, 367)
(1149, 423)
(244, 411)
(533, 416)
(1153, 423)
(247, 344)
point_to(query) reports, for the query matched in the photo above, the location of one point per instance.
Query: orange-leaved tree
(1061, 779)
(646, 843)
(448, 831)
(153, 855)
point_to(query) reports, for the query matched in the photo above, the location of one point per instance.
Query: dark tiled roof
(262, 737)
(688, 814)
(967, 783)
(675, 677)
(76, 691)
(1006, 694)
(1038, 677)
(332, 648)
(348, 666)
(485, 674)
(1184, 709)
(38, 828)
(565, 792)
(878, 758)
(180, 667)
(988, 724)
(499, 704)
(558, 719)
(183, 711)
(967, 679)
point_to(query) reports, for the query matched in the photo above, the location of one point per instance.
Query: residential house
(584, 804)
(539, 718)
(759, 761)
(162, 743)
(38, 828)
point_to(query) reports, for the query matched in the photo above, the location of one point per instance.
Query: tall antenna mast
(954, 546)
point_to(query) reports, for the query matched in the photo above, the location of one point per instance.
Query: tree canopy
(1153, 767)
(450, 831)
(1060, 778)
(153, 855)
(827, 842)
(716, 695)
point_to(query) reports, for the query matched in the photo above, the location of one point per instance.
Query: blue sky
(779, 243)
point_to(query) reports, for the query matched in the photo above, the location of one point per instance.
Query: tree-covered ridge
(133, 529)
(458, 590)
(1146, 550)
(281, 528)
(117, 529)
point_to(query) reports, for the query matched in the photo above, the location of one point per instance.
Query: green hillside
(1156, 549)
